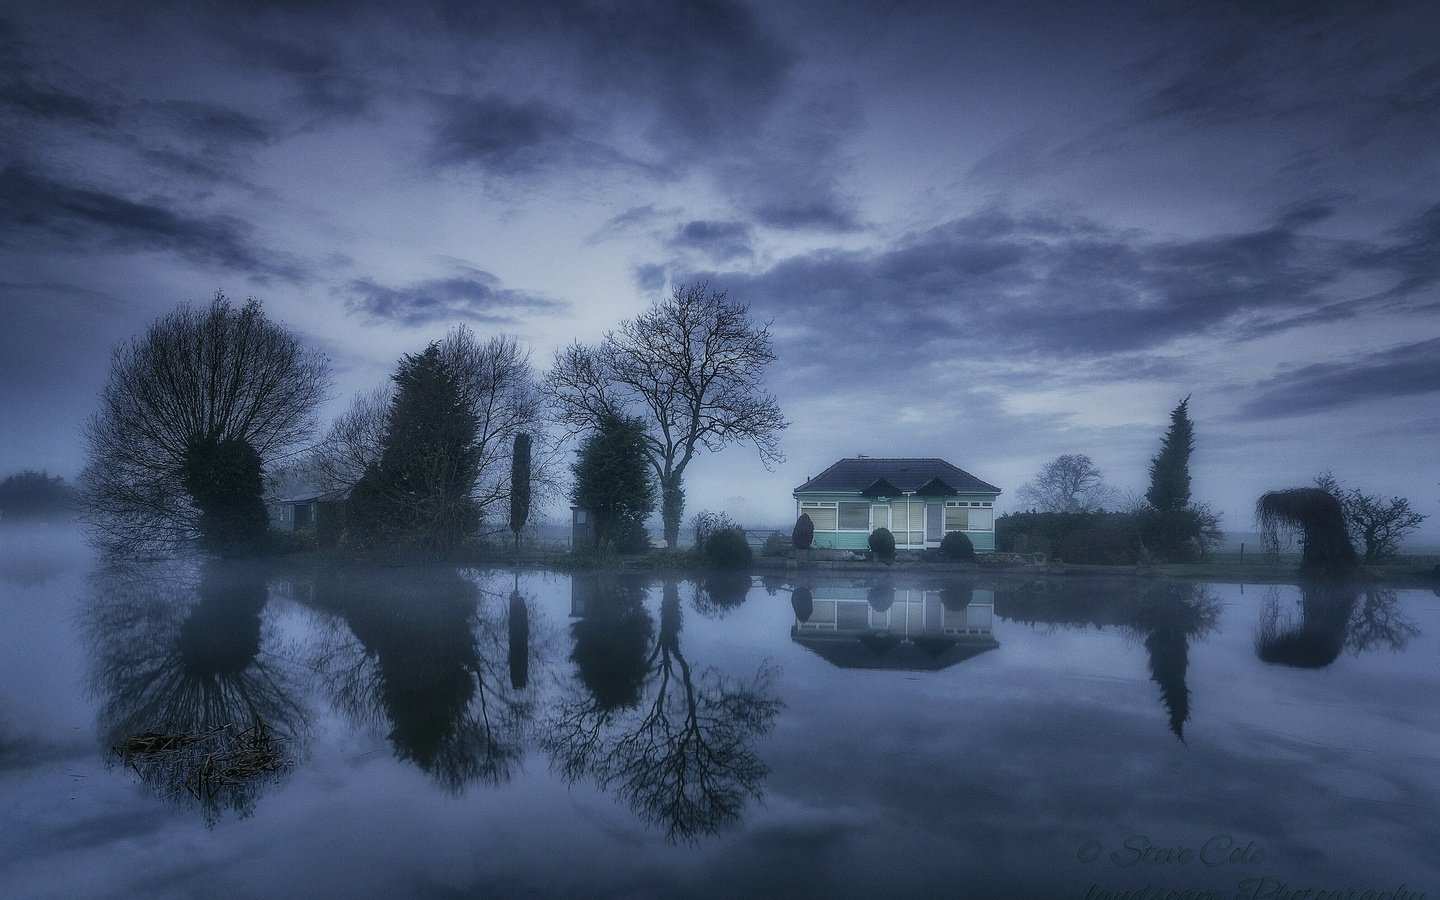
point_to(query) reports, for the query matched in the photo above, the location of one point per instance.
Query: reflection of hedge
(1095, 538)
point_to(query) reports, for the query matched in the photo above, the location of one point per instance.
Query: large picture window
(854, 515)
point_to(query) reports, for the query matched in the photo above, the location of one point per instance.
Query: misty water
(286, 729)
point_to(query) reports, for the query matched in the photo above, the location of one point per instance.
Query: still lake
(190, 729)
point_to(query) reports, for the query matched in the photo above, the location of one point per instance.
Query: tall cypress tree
(519, 485)
(1170, 468)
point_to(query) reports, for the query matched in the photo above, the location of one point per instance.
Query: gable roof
(859, 475)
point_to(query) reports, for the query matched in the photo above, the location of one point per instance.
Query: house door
(934, 523)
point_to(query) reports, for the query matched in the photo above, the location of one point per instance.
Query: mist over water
(443, 731)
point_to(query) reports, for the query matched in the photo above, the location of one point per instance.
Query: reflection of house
(919, 500)
(322, 513)
(896, 628)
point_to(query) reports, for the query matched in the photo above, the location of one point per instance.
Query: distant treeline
(35, 495)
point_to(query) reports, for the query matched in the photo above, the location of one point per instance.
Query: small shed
(323, 513)
(582, 528)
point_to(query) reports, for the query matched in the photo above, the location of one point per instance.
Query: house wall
(848, 535)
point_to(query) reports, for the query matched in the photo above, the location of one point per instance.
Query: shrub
(705, 523)
(804, 534)
(728, 549)
(956, 547)
(882, 545)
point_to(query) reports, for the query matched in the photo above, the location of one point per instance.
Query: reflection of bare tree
(1329, 618)
(683, 755)
(427, 662)
(188, 698)
(1378, 623)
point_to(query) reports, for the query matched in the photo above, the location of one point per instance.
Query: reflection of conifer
(518, 647)
(1169, 657)
(611, 642)
(1170, 615)
(446, 712)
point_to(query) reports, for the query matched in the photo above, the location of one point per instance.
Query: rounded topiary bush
(882, 545)
(728, 549)
(804, 534)
(956, 547)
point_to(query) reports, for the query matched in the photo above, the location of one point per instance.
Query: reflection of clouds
(185, 668)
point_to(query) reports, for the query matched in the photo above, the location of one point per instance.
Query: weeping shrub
(1317, 515)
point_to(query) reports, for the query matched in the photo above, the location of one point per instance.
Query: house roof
(859, 476)
(322, 496)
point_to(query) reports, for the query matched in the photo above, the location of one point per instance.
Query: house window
(821, 513)
(957, 518)
(854, 515)
(982, 520)
(907, 521)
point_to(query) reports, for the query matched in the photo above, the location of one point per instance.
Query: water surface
(443, 732)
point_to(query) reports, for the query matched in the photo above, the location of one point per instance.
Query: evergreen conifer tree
(1170, 468)
(519, 485)
(419, 491)
(612, 481)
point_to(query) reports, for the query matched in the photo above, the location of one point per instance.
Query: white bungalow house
(919, 500)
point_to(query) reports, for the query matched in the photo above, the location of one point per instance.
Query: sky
(990, 232)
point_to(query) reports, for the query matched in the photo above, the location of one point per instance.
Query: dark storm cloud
(650, 278)
(997, 283)
(721, 241)
(72, 217)
(24, 90)
(1225, 63)
(213, 123)
(1407, 370)
(471, 296)
(502, 136)
(1414, 254)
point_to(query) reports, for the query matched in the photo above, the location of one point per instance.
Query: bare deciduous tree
(692, 367)
(201, 377)
(1376, 525)
(1069, 483)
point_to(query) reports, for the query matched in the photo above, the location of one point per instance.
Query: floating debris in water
(205, 762)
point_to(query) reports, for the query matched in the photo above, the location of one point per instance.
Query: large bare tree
(1068, 483)
(205, 390)
(692, 367)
